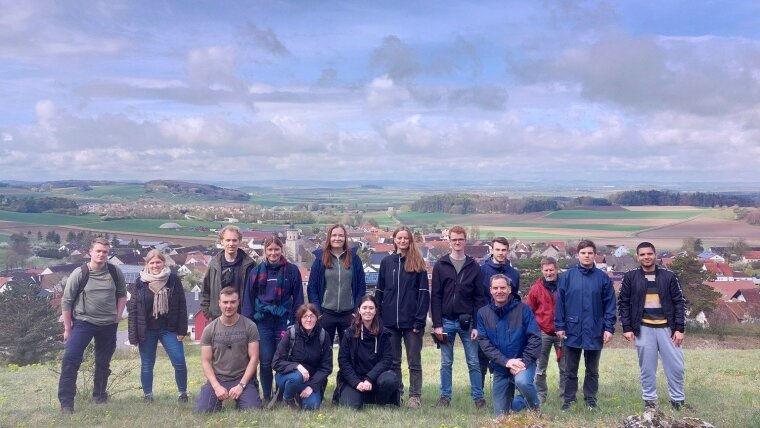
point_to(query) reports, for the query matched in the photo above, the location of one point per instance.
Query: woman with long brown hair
(404, 297)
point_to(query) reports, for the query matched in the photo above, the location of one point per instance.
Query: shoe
(591, 405)
(101, 400)
(182, 398)
(680, 405)
(566, 405)
(67, 410)
(480, 403)
(650, 405)
(291, 403)
(147, 398)
(443, 402)
(414, 403)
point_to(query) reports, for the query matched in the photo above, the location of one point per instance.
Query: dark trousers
(384, 391)
(82, 333)
(208, 402)
(334, 322)
(271, 330)
(590, 381)
(413, 345)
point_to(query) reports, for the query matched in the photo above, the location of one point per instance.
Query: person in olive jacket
(303, 360)
(404, 298)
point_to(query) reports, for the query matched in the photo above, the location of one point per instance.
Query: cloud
(267, 40)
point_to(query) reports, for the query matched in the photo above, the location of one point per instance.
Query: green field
(529, 236)
(654, 214)
(47, 218)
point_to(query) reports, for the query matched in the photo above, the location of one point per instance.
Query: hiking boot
(414, 403)
(148, 398)
(291, 403)
(650, 405)
(443, 402)
(680, 405)
(182, 398)
(566, 405)
(480, 403)
(67, 410)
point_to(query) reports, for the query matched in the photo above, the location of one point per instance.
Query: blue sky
(606, 91)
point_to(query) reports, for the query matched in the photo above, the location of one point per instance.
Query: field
(721, 385)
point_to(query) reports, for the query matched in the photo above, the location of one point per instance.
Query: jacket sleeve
(311, 287)
(380, 288)
(559, 308)
(516, 281)
(624, 303)
(608, 300)
(532, 300)
(206, 295)
(249, 306)
(386, 358)
(423, 301)
(319, 376)
(533, 346)
(486, 281)
(347, 371)
(479, 298)
(361, 283)
(679, 303)
(280, 363)
(436, 298)
(132, 315)
(488, 348)
(181, 307)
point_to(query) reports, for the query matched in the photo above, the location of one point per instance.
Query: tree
(373, 222)
(39, 235)
(191, 280)
(115, 241)
(736, 249)
(700, 297)
(31, 332)
(692, 245)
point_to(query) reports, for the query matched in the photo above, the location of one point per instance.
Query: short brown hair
(459, 230)
(501, 240)
(228, 291)
(230, 228)
(306, 307)
(99, 240)
(586, 243)
(548, 261)
(273, 240)
(499, 276)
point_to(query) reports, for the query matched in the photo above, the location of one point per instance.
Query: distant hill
(196, 190)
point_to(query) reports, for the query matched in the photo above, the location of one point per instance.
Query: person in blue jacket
(584, 318)
(510, 338)
(403, 296)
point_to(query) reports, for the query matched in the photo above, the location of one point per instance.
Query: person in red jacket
(541, 299)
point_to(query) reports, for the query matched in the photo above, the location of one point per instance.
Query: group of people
(260, 325)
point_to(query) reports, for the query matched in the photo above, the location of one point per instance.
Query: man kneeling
(510, 338)
(229, 356)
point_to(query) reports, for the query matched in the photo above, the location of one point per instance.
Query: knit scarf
(260, 278)
(157, 284)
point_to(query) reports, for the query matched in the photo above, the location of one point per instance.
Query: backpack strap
(85, 268)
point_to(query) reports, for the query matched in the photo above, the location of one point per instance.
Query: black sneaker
(182, 398)
(566, 405)
(680, 405)
(443, 402)
(650, 405)
(67, 410)
(480, 403)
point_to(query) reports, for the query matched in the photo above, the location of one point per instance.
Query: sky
(554, 91)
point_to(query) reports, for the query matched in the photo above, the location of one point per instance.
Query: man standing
(498, 263)
(509, 336)
(229, 268)
(92, 304)
(229, 356)
(652, 309)
(585, 319)
(457, 295)
(542, 298)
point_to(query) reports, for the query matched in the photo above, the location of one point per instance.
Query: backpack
(292, 338)
(86, 277)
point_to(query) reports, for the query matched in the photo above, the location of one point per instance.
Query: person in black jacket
(364, 360)
(652, 311)
(456, 297)
(157, 312)
(404, 299)
(303, 360)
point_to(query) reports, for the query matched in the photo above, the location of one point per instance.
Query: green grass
(47, 218)
(722, 385)
(654, 214)
(534, 236)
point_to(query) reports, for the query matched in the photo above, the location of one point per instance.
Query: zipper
(338, 263)
(398, 289)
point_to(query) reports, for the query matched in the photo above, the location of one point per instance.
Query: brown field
(711, 230)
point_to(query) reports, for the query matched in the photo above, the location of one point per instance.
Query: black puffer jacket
(307, 350)
(138, 311)
(633, 292)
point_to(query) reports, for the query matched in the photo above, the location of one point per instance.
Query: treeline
(460, 203)
(196, 190)
(38, 205)
(697, 199)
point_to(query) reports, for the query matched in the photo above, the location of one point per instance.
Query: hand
(515, 365)
(415, 330)
(236, 391)
(677, 339)
(221, 392)
(438, 331)
(180, 338)
(66, 334)
(474, 334)
(607, 337)
(306, 393)
(629, 336)
(364, 386)
(304, 373)
(560, 334)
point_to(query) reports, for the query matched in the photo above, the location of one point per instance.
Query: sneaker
(67, 410)
(443, 402)
(480, 403)
(650, 405)
(591, 405)
(566, 405)
(148, 398)
(680, 405)
(101, 400)
(182, 398)
(414, 403)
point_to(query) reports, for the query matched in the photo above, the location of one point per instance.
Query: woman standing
(403, 295)
(157, 312)
(364, 360)
(272, 293)
(336, 282)
(303, 360)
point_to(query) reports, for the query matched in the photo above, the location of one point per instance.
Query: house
(729, 289)
(709, 255)
(751, 257)
(551, 251)
(621, 251)
(620, 263)
(478, 252)
(722, 271)
(193, 301)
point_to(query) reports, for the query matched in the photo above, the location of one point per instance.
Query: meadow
(721, 385)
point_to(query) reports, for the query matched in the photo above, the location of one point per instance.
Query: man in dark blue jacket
(585, 319)
(652, 309)
(509, 336)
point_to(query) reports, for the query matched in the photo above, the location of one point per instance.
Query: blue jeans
(174, 349)
(292, 384)
(82, 333)
(451, 327)
(271, 329)
(504, 400)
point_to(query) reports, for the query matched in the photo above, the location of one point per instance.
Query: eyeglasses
(309, 317)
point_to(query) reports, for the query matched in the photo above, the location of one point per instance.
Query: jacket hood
(497, 266)
(503, 310)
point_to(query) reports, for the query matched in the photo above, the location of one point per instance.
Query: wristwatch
(243, 385)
